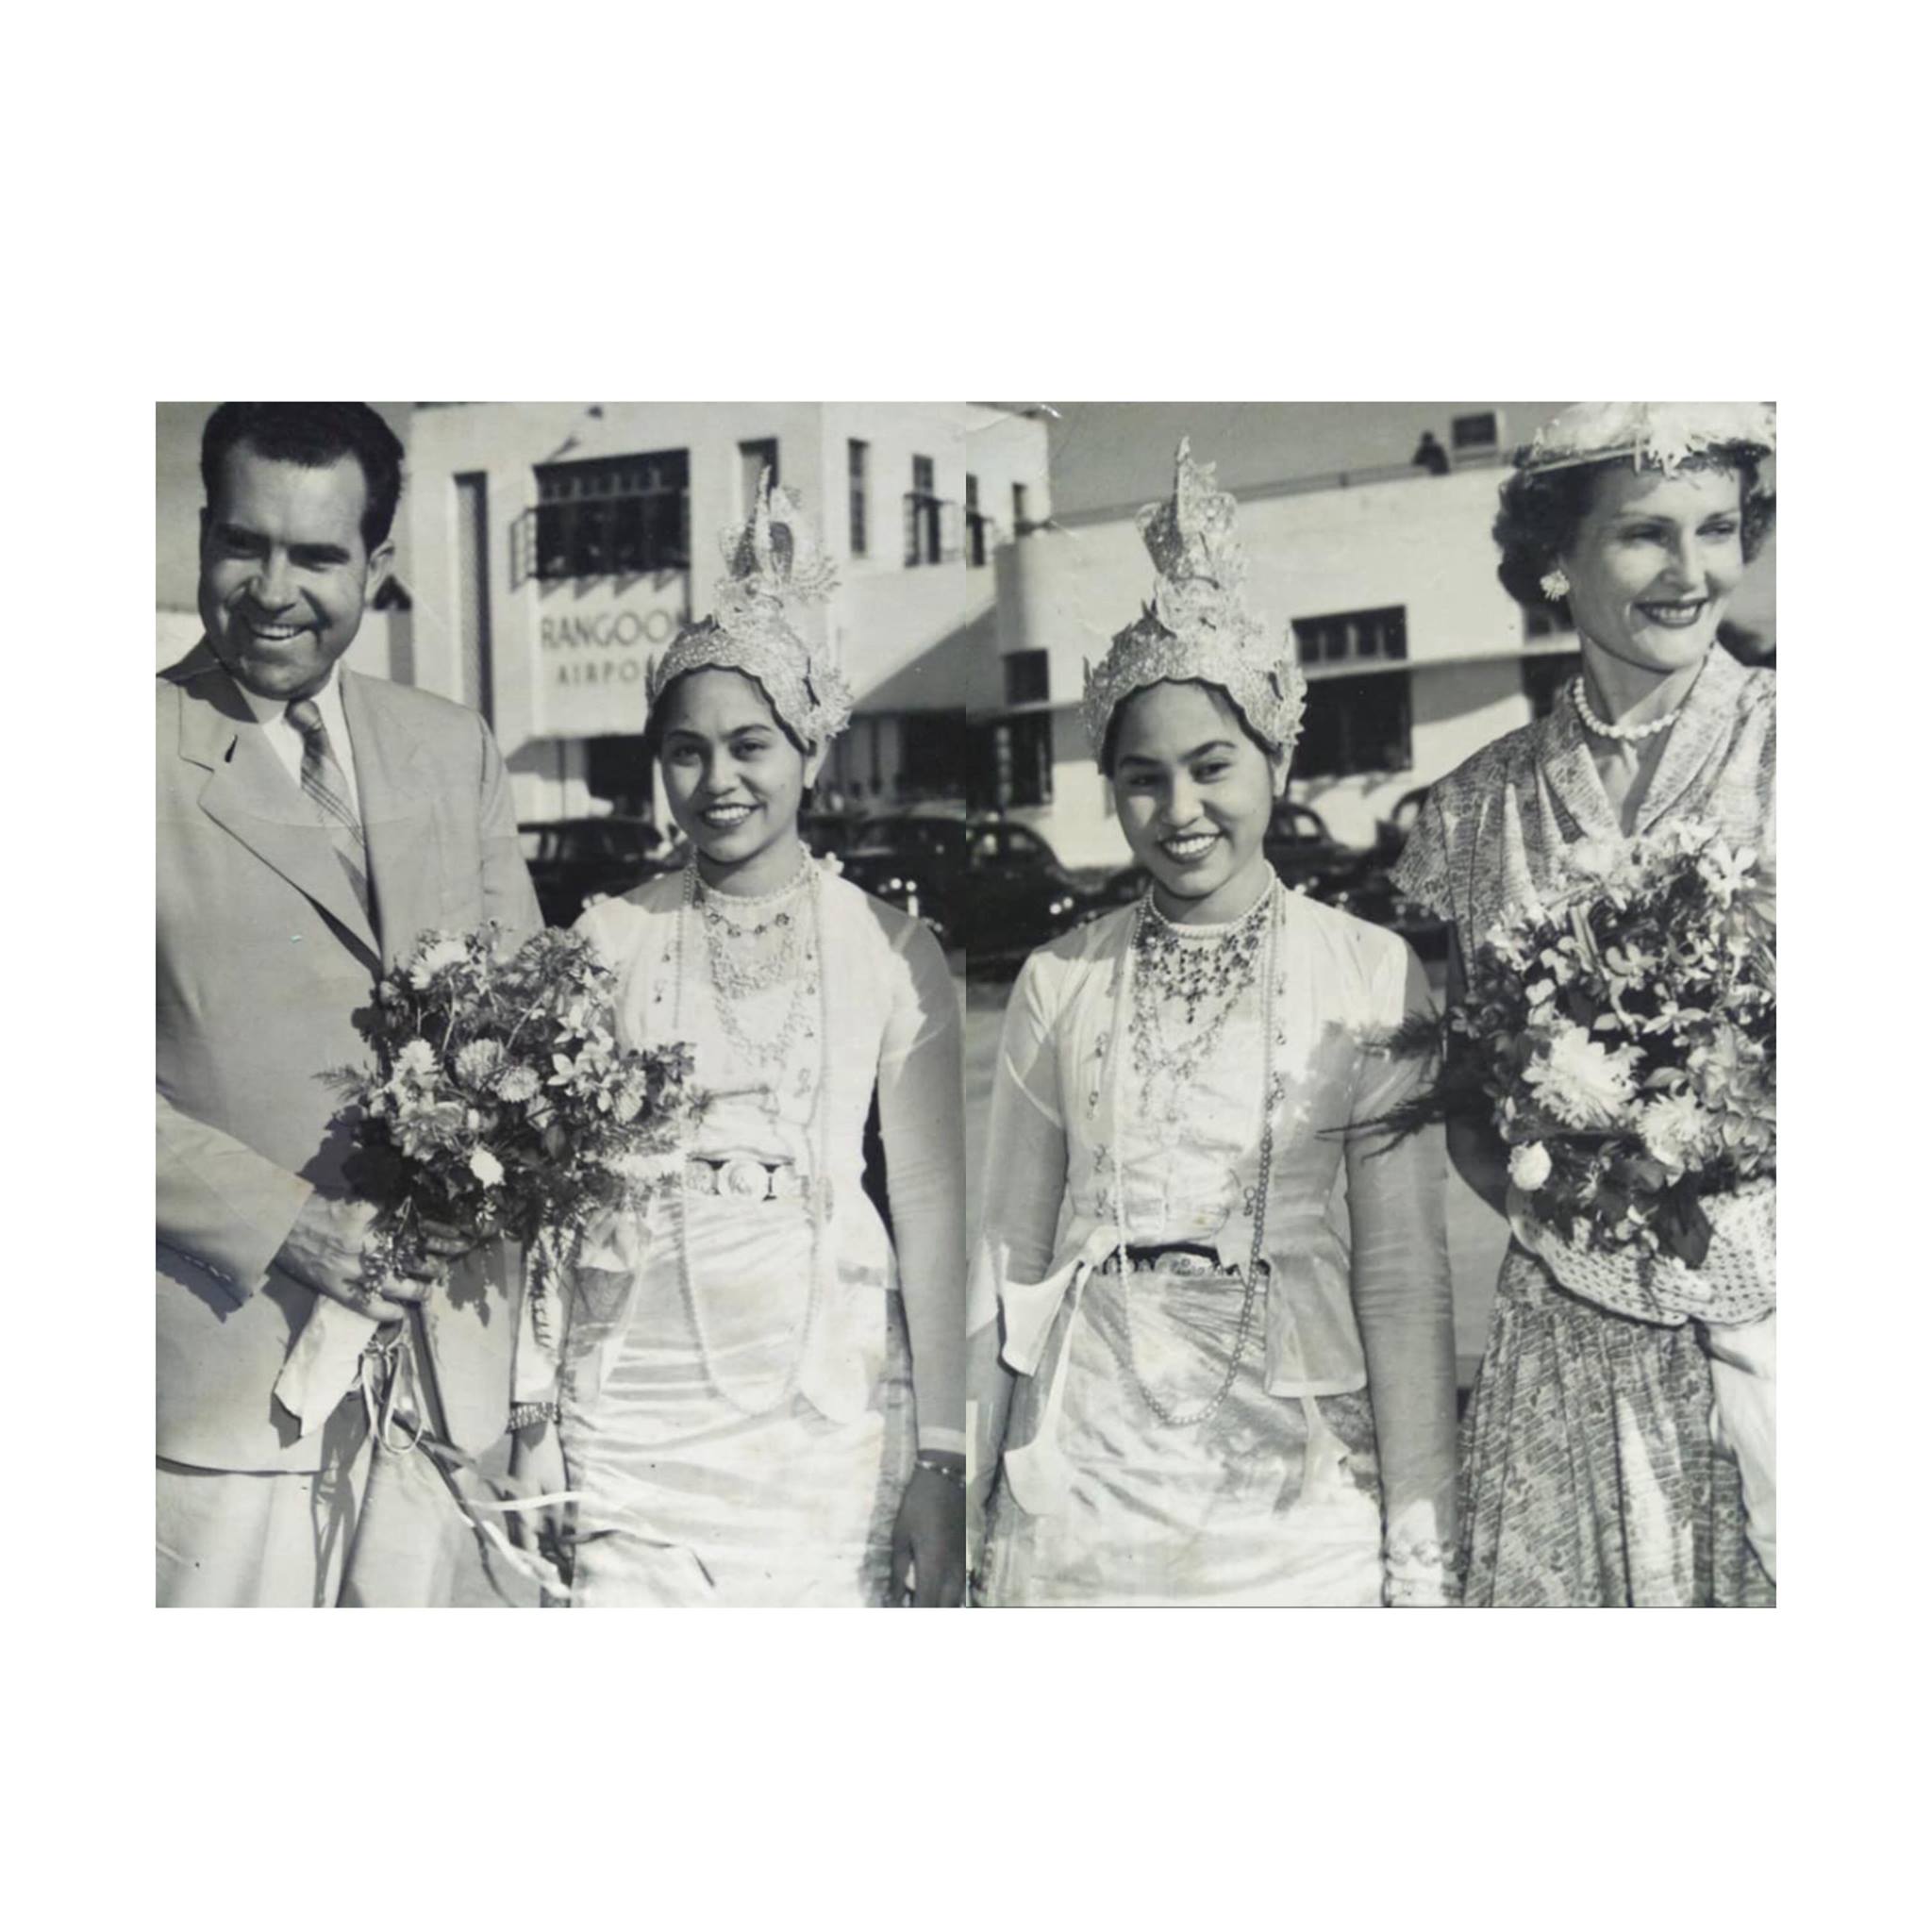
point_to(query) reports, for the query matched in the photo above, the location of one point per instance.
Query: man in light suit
(311, 824)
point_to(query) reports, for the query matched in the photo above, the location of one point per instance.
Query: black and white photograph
(993, 1004)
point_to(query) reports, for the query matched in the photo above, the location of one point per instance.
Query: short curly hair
(1543, 510)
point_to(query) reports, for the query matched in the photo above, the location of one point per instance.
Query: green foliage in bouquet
(1623, 1041)
(499, 1101)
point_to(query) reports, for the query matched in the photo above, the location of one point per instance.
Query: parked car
(982, 883)
(1392, 834)
(572, 861)
(1374, 893)
(1307, 855)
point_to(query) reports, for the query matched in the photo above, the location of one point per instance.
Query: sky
(1107, 454)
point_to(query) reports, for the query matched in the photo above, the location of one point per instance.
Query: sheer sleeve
(1423, 870)
(922, 1119)
(1025, 1182)
(1400, 1277)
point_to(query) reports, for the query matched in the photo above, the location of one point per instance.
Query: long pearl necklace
(1251, 1282)
(1626, 732)
(817, 1184)
(737, 978)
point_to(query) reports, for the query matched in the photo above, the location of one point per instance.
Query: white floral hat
(1664, 435)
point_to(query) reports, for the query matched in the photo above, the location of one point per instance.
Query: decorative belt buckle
(745, 1179)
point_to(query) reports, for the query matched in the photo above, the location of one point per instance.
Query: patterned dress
(1590, 1475)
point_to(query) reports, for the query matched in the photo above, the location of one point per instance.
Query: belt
(1184, 1260)
(742, 1178)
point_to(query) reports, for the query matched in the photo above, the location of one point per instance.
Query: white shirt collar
(272, 714)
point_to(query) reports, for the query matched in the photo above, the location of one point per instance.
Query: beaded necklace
(817, 1187)
(1191, 965)
(737, 978)
(1269, 929)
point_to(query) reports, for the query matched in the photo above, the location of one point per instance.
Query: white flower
(1579, 1081)
(1674, 1129)
(485, 1166)
(443, 953)
(417, 1057)
(1530, 1165)
(1540, 990)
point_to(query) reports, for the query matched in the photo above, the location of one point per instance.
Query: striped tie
(323, 780)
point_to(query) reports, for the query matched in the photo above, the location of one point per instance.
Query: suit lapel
(250, 795)
(397, 784)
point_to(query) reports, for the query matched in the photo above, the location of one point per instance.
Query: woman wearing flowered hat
(1196, 1379)
(748, 1415)
(1590, 1475)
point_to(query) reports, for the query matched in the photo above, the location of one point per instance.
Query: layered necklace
(1214, 968)
(752, 945)
(775, 934)
(1191, 968)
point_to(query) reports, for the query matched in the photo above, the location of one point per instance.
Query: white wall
(887, 620)
(1421, 543)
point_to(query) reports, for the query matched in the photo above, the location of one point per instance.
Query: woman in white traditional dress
(760, 1395)
(1212, 1357)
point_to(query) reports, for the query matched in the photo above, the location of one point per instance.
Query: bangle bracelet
(952, 1475)
(522, 1414)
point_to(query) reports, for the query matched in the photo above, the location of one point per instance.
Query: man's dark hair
(313, 434)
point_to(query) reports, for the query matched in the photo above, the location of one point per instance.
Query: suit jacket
(263, 956)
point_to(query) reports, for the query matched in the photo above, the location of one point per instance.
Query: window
(923, 544)
(1023, 759)
(932, 748)
(1477, 433)
(1026, 676)
(1354, 725)
(1372, 637)
(617, 515)
(857, 457)
(1543, 678)
(754, 460)
(472, 592)
(1022, 524)
(975, 526)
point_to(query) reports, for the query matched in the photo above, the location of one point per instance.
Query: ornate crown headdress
(1664, 435)
(773, 559)
(1197, 629)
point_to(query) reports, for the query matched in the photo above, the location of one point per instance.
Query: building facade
(555, 548)
(1415, 655)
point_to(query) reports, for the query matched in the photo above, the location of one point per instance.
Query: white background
(873, 201)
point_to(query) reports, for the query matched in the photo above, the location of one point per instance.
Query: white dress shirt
(272, 716)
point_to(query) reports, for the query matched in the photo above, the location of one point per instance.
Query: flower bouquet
(498, 1103)
(1623, 1041)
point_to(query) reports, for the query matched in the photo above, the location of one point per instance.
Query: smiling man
(310, 824)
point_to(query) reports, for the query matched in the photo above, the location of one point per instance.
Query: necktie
(329, 790)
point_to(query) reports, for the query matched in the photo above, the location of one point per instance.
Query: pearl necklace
(1251, 1281)
(1626, 732)
(817, 1186)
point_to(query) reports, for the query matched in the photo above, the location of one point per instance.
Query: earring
(1555, 585)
